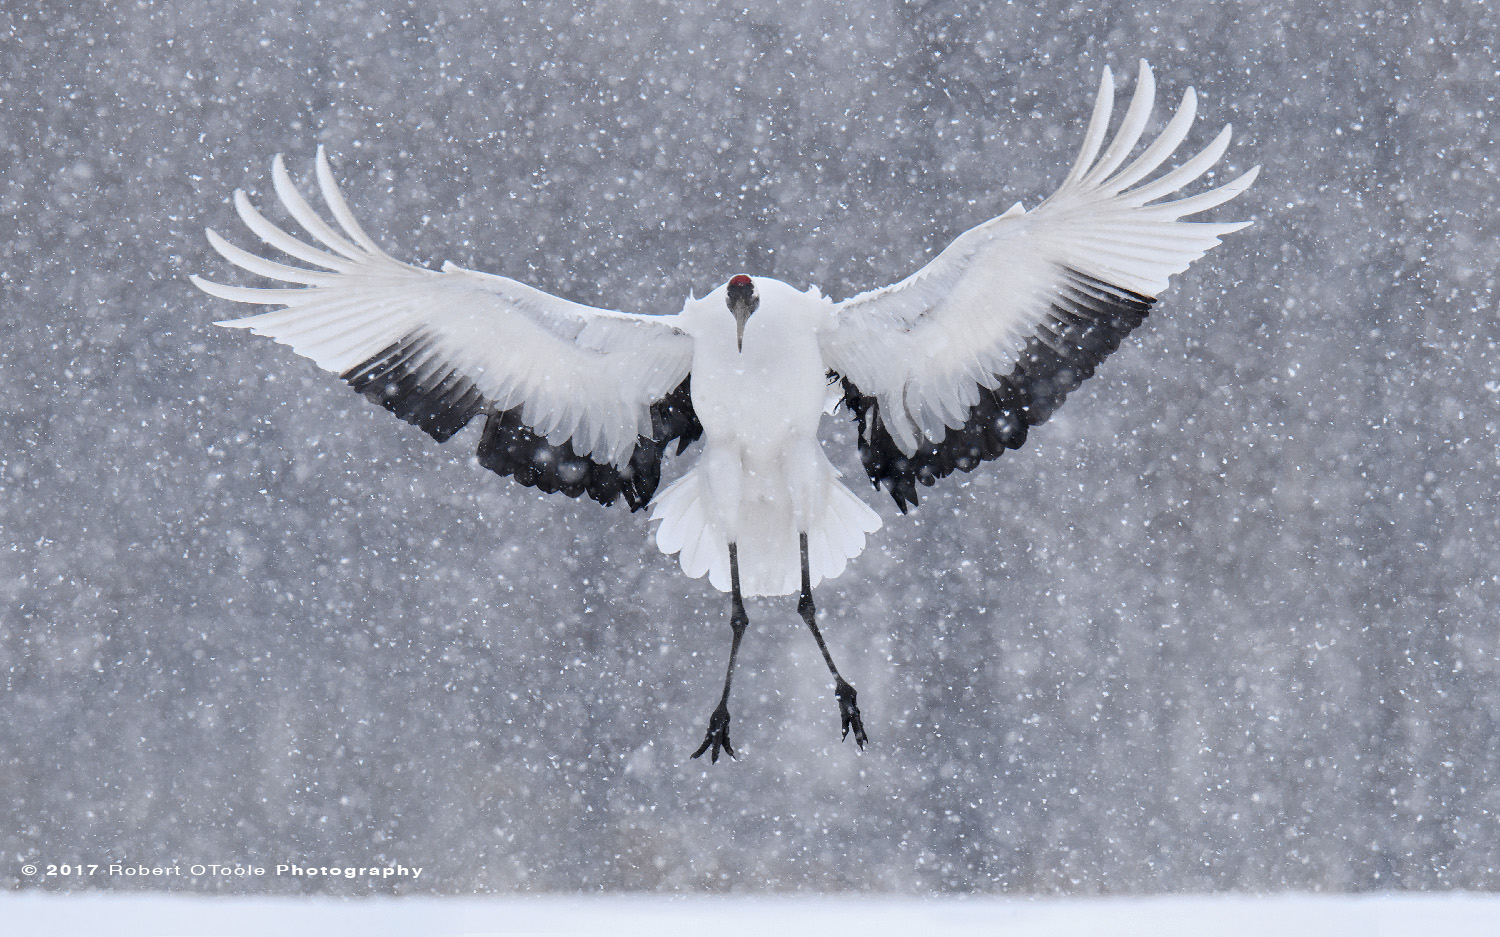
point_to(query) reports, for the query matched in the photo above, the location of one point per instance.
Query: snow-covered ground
(1450, 915)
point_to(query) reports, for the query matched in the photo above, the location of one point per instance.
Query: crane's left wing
(577, 399)
(951, 366)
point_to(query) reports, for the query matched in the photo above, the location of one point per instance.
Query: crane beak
(742, 303)
(741, 316)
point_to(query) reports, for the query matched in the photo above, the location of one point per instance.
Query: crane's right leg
(717, 736)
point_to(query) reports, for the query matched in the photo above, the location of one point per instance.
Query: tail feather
(767, 542)
(685, 529)
(821, 555)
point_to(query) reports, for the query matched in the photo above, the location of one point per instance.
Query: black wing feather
(407, 380)
(1085, 323)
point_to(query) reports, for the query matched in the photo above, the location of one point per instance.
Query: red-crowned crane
(942, 371)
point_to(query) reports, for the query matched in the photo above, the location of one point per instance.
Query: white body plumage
(763, 478)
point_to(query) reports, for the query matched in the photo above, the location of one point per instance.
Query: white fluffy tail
(767, 542)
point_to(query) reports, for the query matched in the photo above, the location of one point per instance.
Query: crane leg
(717, 736)
(848, 708)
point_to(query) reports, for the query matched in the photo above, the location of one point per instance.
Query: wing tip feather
(216, 290)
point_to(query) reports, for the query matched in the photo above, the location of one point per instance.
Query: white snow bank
(1451, 915)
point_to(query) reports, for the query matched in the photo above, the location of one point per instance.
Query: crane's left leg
(848, 708)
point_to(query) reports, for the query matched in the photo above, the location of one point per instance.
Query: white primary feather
(924, 346)
(577, 372)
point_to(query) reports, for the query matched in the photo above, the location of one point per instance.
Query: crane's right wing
(578, 399)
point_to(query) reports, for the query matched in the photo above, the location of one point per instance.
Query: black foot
(717, 736)
(848, 713)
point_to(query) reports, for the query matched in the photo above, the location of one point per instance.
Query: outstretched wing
(578, 399)
(951, 366)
